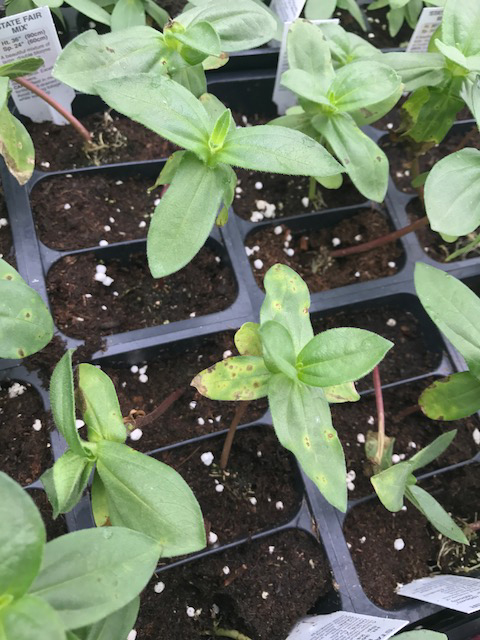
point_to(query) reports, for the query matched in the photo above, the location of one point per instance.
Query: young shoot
(129, 489)
(325, 9)
(395, 482)
(401, 11)
(333, 105)
(26, 325)
(198, 39)
(455, 309)
(82, 579)
(300, 374)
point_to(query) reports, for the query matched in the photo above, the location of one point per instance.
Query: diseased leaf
(147, 495)
(390, 485)
(99, 404)
(20, 68)
(238, 378)
(16, 146)
(22, 539)
(451, 398)
(303, 424)
(287, 301)
(341, 393)
(338, 356)
(248, 341)
(433, 111)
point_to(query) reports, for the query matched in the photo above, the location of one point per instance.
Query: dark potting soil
(60, 147)
(312, 246)
(6, 242)
(54, 528)
(24, 452)
(371, 531)
(171, 369)
(400, 154)
(394, 119)
(256, 492)
(78, 211)
(411, 356)
(134, 300)
(286, 194)
(412, 432)
(433, 243)
(173, 7)
(377, 20)
(269, 586)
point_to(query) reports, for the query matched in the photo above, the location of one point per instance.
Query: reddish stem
(160, 410)
(76, 124)
(379, 242)
(227, 447)
(377, 385)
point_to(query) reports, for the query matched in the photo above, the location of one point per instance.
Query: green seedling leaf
(346, 47)
(196, 43)
(116, 626)
(127, 13)
(306, 85)
(66, 481)
(20, 68)
(340, 355)
(377, 110)
(220, 130)
(320, 9)
(159, 15)
(16, 146)
(248, 341)
(422, 635)
(452, 193)
(213, 107)
(133, 484)
(62, 400)
(287, 301)
(435, 514)
(433, 111)
(302, 422)
(341, 393)
(278, 349)
(299, 121)
(461, 26)
(417, 69)
(92, 10)
(352, 88)
(364, 161)
(99, 404)
(28, 618)
(308, 51)
(390, 485)
(89, 574)
(185, 216)
(26, 325)
(91, 58)
(432, 451)
(420, 180)
(352, 7)
(471, 63)
(277, 150)
(169, 170)
(244, 25)
(238, 378)
(451, 398)
(22, 539)
(99, 499)
(454, 308)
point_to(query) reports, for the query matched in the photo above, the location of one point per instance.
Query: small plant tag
(427, 24)
(33, 34)
(282, 96)
(453, 592)
(287, 10)
(343, 625)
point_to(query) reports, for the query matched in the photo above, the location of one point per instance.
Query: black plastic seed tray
(249, 93)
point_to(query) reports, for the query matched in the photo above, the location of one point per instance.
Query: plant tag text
(426, 26)
(453, 592)
(33, 34)
(284, 98)
(342, 625)
(287, 10)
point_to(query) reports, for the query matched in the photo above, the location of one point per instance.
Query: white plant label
(287, 10)
(283, 97)
(453, 592)
(427, 24)
(32, 34)
(345, 626)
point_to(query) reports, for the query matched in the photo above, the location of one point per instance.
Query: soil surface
(257, 490)
(432, 242)
(411, 356)
(400, 154)
(270, 585)
(392, 120)
(134, 300)
(286, 194)
(54, 528)
(377, 20)
(60, 147)
(371, 531)
(6, 242)
(171, 369)
(24, 452)
(77, 212)
(311, 251)
(412, 432)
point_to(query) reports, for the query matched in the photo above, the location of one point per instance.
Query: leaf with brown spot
(238, 378)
